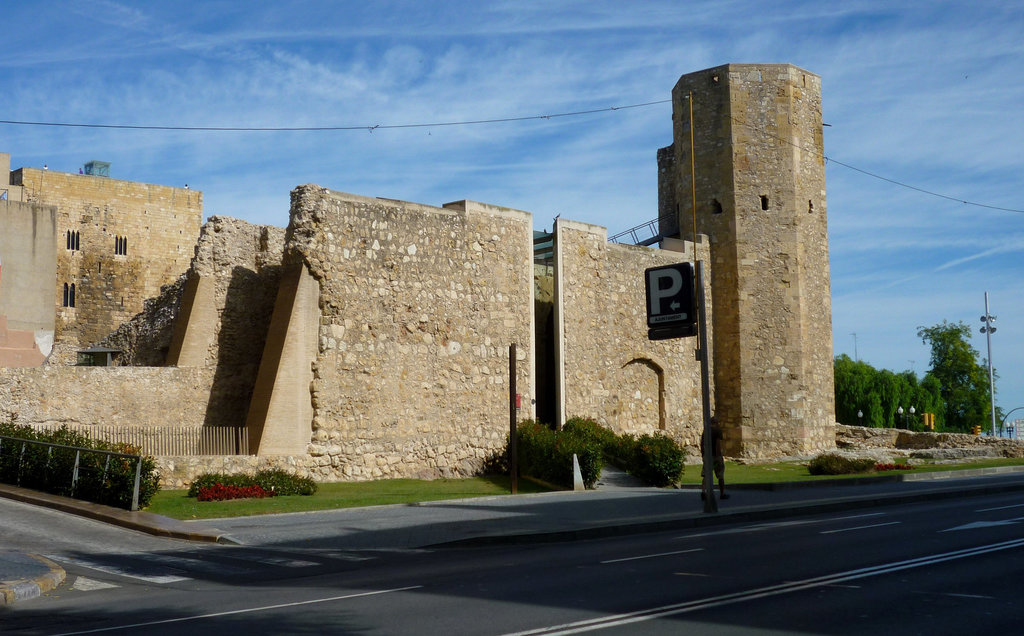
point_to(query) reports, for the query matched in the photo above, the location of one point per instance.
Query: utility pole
(988, 330)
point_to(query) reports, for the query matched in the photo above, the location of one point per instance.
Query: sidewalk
(617, 507)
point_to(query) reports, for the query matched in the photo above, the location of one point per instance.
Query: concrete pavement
(618, 506)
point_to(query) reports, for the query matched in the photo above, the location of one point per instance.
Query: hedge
(546, 454)
(102, 479)
(835, 464)
(276, 481)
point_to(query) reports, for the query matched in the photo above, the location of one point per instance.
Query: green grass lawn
(796, 471)
(175, 503)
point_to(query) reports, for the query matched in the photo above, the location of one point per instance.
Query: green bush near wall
(278, 481)
(101, 479)
(546, 454)
(835, 464)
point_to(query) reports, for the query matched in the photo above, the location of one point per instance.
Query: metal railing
(18, 445)
(164, 441)
(647, 233)
(543, 248)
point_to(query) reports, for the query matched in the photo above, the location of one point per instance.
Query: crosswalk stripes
(174, 568)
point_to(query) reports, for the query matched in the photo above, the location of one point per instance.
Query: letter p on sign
(670, 300)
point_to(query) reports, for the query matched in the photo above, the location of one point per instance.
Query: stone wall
(418, 306)
(609, 370)
(927, 445)
(110, 396)
(160, 225)
(760, 196)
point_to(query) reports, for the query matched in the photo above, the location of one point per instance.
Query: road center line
(875, 525)
(651, 556)
(1000, 508)
(243, 611)
(618, 620)
(778, 524)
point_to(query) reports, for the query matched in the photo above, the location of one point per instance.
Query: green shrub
(278, 481)
(658, 460)
(589, 429)
(102, 479)
(547, 454)
(284, 483)
(834, 464)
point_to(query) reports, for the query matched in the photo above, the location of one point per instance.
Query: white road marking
(1000, 508)
(618, 620)
(161, 575)
(277, 561)
(778, 524)
(983, 524)
(248, 610)
(875, 525)
(83, 584)
(651, 556)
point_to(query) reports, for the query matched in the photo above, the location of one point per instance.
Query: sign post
(675, 309)
(707, 443)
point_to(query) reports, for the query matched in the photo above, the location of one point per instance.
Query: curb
(754, 513)
(874, 479)
(23, 589)
(140, 521)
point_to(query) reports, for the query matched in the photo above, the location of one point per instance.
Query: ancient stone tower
(760, 197)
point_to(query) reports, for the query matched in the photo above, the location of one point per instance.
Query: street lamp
(912, 410)
(988, 330)
(860, 417)
(900, 411)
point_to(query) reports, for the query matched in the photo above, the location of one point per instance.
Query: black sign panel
(671, 310)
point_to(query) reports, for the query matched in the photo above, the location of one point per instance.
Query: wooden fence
(171, 440)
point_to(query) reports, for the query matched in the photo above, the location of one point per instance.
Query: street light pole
(988, 330)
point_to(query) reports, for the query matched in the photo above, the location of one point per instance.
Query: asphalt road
(947, 567)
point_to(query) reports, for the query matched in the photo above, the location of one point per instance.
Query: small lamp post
(900, 411)
(912, 411)
(860, 417)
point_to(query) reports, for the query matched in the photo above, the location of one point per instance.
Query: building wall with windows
(117, 242)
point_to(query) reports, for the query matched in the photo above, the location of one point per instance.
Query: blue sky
(928, 94)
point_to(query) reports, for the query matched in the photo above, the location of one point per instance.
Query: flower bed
(881, 467)
(220, 492)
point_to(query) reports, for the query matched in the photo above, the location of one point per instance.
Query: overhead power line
(471, 122)
(893, 181)
(328, 128)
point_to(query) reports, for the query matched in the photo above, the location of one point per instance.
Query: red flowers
(220, 492)
(880, 467)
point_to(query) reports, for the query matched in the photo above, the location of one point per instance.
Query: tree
(878, 394)
(963, 384)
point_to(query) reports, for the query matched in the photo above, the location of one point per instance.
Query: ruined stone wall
(926, 444)
(760, 192)
(610, 370)
(418, 306)
(159, 225)
(244, 262)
